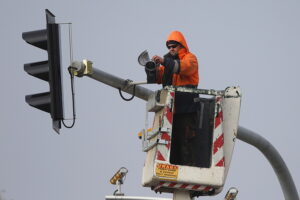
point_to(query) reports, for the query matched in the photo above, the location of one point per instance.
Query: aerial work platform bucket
(217, 114)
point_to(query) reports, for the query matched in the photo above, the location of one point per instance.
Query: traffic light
(47, 39)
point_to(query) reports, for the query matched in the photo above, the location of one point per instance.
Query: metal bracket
(138, 83)
(80, 69)
(161, 141)
(155, 132)
(152, 134)
(153, 105)
(150, 145)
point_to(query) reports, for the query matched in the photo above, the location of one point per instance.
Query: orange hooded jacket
(188, 72)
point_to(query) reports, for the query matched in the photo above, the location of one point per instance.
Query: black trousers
(183, 146)
(190, 145)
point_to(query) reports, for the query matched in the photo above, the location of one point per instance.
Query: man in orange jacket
(179, 67)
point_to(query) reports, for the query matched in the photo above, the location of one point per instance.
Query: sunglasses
(172, 46)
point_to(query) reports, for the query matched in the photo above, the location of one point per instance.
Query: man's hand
(158, 59)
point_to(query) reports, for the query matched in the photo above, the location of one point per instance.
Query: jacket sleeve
(188, 65)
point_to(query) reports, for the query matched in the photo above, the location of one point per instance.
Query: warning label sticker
(166, 171)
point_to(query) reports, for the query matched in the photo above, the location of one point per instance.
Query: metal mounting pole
(285, 179)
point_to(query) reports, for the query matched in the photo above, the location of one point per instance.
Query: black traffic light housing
(50, 70)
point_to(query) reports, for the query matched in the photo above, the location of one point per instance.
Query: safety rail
(196, 90)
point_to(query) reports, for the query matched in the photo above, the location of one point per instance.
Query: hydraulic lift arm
(284, 177)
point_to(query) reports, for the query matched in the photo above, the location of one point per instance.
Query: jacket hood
(178, 37)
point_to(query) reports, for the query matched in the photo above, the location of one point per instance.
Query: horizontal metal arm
(119, 83)
(285, 179)
(85, 68)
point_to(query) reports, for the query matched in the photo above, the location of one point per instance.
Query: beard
(174, 54)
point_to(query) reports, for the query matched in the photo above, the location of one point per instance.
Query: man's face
(174, 49)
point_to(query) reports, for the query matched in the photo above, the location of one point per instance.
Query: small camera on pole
(150, 66)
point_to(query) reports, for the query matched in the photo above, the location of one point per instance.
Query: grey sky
(253, 44)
